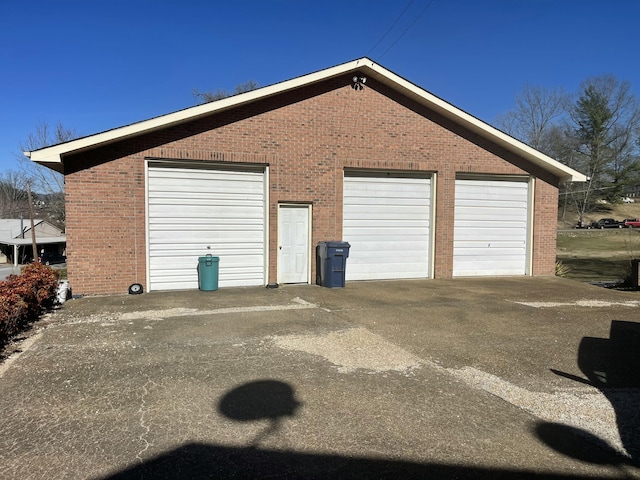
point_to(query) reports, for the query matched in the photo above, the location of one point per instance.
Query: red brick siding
(307, 138)
(105, 227)
(544, 228)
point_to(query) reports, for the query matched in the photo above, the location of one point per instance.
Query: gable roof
(53, 156)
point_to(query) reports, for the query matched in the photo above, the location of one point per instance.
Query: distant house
(16, 241)
(418, 187)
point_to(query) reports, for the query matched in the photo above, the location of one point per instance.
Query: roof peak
(53, 156)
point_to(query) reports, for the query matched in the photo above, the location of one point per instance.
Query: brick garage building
(419, 188)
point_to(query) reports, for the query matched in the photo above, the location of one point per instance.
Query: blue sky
(98, 65)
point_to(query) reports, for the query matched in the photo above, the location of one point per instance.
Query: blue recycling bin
(332, 263)
(208, 273)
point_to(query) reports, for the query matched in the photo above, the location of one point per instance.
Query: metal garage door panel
(191, 209)
(490, 227)
(387, 220)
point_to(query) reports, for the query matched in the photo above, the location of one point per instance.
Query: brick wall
(307, 137)
(545, 228)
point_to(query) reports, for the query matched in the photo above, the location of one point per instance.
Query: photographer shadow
(612, 365)
(273, 401)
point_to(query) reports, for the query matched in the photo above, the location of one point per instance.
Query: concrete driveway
(468, 378)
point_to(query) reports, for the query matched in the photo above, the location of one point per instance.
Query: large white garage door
(490, 227)
(192, 209)
(386, 221)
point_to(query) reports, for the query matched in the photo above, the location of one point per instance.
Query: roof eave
(563, 172)
(53, 156)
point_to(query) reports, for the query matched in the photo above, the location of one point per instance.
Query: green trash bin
(208, 273)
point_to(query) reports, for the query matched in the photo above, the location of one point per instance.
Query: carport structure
(16, 235)
(418, 187)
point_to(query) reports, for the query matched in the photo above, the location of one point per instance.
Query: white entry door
(293, 244)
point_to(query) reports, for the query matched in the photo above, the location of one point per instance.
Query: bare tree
(596, 133)
(48, 183)
(209, 96)
(536, 111)
(559, 145)
(13, 195)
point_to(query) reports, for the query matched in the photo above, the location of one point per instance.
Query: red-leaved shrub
(23, 297)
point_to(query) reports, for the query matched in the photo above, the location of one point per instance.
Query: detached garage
(421, 189)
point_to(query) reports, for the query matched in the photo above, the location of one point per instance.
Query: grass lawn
(598, 255)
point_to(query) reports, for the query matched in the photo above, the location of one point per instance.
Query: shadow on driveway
(275, 400)
(612, 365)
(200, 461)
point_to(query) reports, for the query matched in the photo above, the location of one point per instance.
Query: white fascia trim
(474, 124)
(53, 155)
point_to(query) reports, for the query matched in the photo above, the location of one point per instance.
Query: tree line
(47, 185)
(595, 131)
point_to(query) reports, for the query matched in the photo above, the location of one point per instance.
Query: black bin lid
(335, 244)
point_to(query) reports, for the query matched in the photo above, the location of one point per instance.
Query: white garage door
(490, 227)
(386, 222)
(193, 209)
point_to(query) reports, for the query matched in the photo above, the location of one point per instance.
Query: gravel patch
(352, 349)
(582, 303)
(157, 314)
(584, 408)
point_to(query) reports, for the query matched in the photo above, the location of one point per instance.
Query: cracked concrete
(412, 379)
(146, 428)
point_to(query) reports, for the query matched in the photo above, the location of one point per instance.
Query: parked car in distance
(607, 223)
(632, 222)
(50, 258)
(627, 200)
